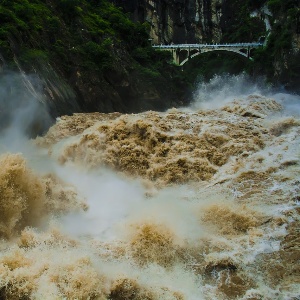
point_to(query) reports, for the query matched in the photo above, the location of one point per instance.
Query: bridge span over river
(184, 52)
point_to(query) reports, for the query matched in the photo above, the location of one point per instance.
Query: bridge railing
(187, 46)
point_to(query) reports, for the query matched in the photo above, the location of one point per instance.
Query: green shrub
(30, 56)
(68, 7)
(274, 5)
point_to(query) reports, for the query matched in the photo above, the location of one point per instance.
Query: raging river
(200, 202)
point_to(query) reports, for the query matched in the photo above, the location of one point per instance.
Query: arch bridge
(182, 53)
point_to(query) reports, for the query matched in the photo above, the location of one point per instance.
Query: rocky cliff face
(198, 21)
(179, 21)
(188, 21)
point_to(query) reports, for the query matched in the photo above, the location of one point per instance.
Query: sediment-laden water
(193, 203)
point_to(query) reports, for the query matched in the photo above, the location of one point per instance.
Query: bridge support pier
(248, 52)
(175, 53)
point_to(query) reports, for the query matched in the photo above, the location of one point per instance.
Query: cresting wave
(191, 203)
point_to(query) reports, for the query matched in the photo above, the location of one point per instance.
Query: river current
(201, 202)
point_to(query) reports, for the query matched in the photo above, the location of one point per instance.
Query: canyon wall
(179, 21)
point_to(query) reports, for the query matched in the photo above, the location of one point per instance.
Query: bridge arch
(198, 53)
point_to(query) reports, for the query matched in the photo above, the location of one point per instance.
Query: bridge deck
(211, 46)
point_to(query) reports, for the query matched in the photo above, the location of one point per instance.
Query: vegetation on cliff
(88, 49)
(239, 24)
(280, 59)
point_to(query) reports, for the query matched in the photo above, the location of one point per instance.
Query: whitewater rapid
(192, 203)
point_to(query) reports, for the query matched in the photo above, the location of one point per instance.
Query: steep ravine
(88, 56)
